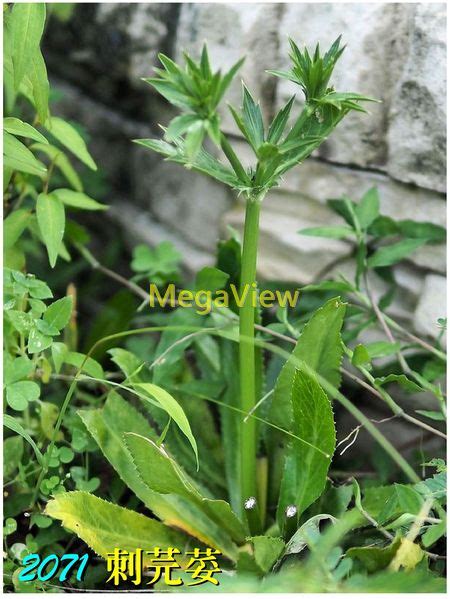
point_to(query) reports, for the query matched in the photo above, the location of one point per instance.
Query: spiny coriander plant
(197, 91)
(206, 410)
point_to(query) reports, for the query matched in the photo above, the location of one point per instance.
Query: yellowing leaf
(105, 526)
(408, 555)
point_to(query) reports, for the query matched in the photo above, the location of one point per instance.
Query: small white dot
(250, 503)
(291, 511)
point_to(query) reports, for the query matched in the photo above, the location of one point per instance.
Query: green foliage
(175, 403)
(307, 461)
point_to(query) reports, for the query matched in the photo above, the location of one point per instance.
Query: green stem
(247, 348)
(233, 160)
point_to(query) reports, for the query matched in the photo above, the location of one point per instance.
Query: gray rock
(146, 27)
(417, 132)
(431, 306)
(284, 255)
(185, 202)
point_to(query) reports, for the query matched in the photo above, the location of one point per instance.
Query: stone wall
(395, 52)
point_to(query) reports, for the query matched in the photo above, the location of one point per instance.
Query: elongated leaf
(307, 534)
(37, 75)
(306, 468)
(252, 119)
(15, 426)
(278, 125)
(368, 209)
(58, 314)
(105, 526)
(172, 407)
(166, 477)
(335, 232)
(19, 158)
(402, 380)
(17, 127)
(69, 137)
(108, 427)
(391, 254)
(76, 199)
(319, 346)
(211, 521)
(61, 162)
(51, 220)
(26, 26)
(14, 225)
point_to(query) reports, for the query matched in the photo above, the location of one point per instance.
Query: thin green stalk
(247, 348)
(233, 159)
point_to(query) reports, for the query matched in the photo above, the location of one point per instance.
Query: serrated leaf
(105, 526)
(167, 477)
(306, 466)
(278, 124)
(69, 137)
(51, 220)
(319, 346)
(252, 119)
(108, 427)
(76, 199)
